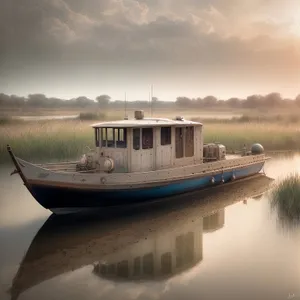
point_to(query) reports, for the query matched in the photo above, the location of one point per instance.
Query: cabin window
(189, 141)
(147, 134)
(121, 137)
(113, 137)
(110, 138)
(165, 136)
(103, 137)
(136, 138)
(97, 138)
(179, 142)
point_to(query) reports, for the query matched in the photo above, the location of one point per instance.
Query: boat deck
(70, 167)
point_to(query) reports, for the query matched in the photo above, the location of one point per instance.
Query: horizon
(154, 96)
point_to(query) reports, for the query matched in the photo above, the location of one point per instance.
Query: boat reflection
(150, 245)
(214, 221)
(163, 255)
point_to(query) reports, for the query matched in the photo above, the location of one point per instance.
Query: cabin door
(142, 153)
(179, 142)
(164, 154)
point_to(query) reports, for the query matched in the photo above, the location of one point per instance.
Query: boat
(108, 247)
(136, 160)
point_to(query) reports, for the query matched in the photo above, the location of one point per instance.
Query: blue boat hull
(56, 197)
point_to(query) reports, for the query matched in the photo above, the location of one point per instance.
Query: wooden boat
(110, 245)
(136, 160)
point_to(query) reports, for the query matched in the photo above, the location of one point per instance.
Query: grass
(285, 197)
(5, 120)
(46, 140)
(272, 136)
(284, 118)
(66, 139)
(91, 116)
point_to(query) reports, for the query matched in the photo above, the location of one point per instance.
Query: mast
(125, 107)
(151, 99)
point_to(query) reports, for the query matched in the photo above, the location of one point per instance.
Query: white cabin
(148, 144)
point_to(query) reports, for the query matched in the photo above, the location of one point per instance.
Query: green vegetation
(259, 102)
(285, 197)
(287, 118)
(272, 136)
(9, 120)
(46, 140)
(67, 139)
(89, 116)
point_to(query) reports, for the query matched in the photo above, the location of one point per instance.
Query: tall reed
(66, 139)
(285, 197)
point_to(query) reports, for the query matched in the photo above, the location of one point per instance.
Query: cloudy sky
(68, 48)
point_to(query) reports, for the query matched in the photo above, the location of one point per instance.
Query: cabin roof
(145, 122)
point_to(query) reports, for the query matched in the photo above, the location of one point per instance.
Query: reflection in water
(286, 220)
(165, 254)
(214, 221)
(145, 246)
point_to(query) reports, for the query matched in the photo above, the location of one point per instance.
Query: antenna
(151, 99)
(125, 108)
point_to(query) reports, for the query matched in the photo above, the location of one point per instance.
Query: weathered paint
(131, 180)
(55, 197)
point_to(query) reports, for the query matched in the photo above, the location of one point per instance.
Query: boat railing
(59, 166)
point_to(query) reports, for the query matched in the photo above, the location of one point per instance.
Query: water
(225, 244)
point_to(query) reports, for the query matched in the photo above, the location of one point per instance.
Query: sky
(193, 48)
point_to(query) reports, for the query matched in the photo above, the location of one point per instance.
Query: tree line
(104, 101)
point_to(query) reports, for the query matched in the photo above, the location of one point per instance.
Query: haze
(193, 48)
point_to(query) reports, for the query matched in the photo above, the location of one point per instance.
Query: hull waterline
(64, 200)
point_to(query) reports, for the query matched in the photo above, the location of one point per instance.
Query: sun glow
(295, 28)
(296, 22)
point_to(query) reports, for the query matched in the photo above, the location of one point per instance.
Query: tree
(273, 99)
(210, 101)
(37, 100)
(253, 101)
(103, 100)
(4, 99)
(234, 102)
(83, 101)
(183, 102)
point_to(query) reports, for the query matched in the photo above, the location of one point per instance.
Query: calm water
(225, 244)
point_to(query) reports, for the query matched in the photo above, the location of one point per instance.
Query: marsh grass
(5, 120)
(44, 140)
(272, 136)
(285, 198)
(89, 116)
(254, 117)
(66, 139)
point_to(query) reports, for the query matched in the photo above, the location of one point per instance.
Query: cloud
(126, 28)
(215, 35)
